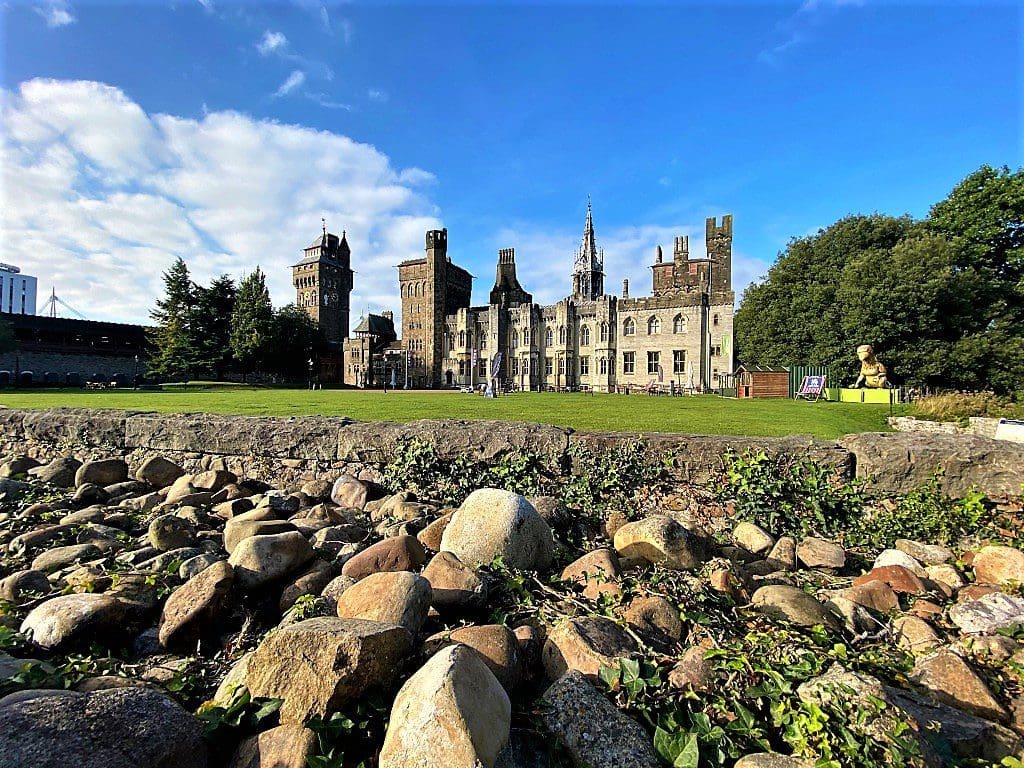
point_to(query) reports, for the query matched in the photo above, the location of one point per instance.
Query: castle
(680, 335)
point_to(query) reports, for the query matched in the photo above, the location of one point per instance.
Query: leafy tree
(172, 340)
(794, 317)
(252, 322)
(8, 343)
(942, 300)
(296, 339)
(211, 323)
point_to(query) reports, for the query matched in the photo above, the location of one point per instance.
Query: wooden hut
(761, 381)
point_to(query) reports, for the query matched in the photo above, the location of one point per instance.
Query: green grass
(636, 413)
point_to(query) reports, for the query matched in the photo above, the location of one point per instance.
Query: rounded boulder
(494, 523)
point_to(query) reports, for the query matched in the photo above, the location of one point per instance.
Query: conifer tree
(252, 322)
(212, 326)
(173, 349)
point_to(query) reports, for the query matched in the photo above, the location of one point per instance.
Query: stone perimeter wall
(287, 450)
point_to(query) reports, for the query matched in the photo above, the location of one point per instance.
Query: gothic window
(561, 334)
(628, 327)
(549, 366)
(515, 366)
(602, 366)
(628, 363)
(679, 324)
(653, 326)
(584, 366)
(462, 338)
(515, 338)
(585, 336)
(604, 331)
(714, 320)
(549, 337)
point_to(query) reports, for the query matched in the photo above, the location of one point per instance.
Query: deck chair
(812, 388)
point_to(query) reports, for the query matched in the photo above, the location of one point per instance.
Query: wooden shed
(761, 381)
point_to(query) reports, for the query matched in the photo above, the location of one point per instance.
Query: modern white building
(17, 291)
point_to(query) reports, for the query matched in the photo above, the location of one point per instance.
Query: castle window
(549, 366)
(584, 366)
(653, 363)
(561, 334)
(653, 326)
(462, 338)
(585, 336)
(515, 338)
(549, 337)
(679, 324)
(604, 331)
(678, 361)
(561, 366)
(602, 366)
(714, 320)
(628, 327)
(628, 363)
(515, 366)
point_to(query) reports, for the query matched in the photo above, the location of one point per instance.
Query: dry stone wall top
(262, 446)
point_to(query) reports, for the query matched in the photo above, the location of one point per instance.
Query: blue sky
(222, 132)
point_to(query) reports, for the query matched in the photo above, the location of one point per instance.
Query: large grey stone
(320, 664)
(102, 472)
(74, 620)
(452, 713)
(782, 602)
(495, 523)
(988, 613)
(159, 472)
(259, 560)
(660, 539)
(117, 728)
(899, 462)
(592, 729)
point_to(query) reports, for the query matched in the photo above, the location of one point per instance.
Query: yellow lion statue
(872, 372)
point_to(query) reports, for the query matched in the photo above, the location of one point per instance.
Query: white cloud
(56, 13)
(225, 192)
(796, 29)
(271, 42)
(375, 94)
(293, 81)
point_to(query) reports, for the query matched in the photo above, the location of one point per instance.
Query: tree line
(941, 299)
(211, 331)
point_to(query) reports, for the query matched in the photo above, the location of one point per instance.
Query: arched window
(628, 327)
(549, 337)
(679, 324)
(604, 331)
(653, 326)
(515, 338)
(602, 366)
(585, 336)
(714, 320)
(561, 334)
(462, 338)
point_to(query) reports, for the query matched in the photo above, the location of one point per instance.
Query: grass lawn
(637, 413)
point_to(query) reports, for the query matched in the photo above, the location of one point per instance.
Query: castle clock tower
(323, 283)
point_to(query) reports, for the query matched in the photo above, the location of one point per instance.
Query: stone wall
(86, 366)
(285, 450)
(976, 425)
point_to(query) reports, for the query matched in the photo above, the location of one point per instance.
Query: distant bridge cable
(50, 307)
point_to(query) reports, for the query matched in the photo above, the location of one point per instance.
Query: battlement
(681, 248)
(713, 230)
(437, 238)
(507, 256)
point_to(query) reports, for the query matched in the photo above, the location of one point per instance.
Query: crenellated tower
(323, 283)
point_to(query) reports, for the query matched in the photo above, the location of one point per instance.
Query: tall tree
(172, 339)
(983, 217)
(211, 325)
(296, 340)
(252, 322)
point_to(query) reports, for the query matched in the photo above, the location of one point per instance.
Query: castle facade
(680, 335)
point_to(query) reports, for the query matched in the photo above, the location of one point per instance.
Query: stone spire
(588, 271)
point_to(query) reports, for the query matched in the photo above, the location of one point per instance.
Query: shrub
(959, 406)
